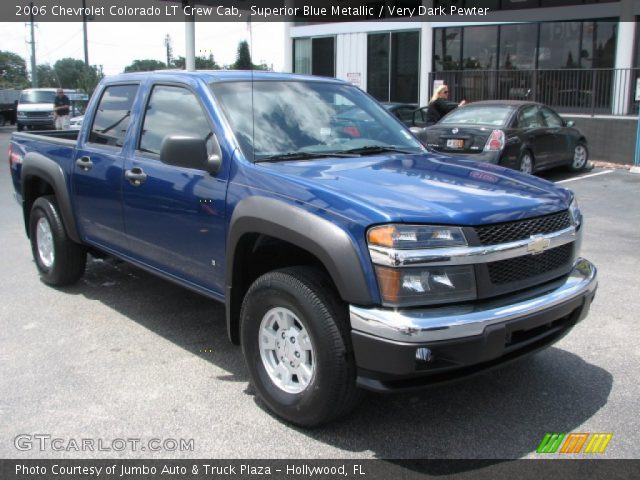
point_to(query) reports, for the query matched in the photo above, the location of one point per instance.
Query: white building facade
(580, 56)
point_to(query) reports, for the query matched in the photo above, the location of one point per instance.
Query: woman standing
(440, 105)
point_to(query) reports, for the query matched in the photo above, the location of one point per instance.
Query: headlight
(416, 236)
(426, 285)
(402, 285)
(21, 114)
(576, 214)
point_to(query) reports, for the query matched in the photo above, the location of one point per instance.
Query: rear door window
(551, 119)
(113, 115)
(528, 117)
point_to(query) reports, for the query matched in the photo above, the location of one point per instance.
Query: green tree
(47, 76)
(202, 63)
(243, 57)
(146, 65)
(74, 74)
(13, 70)
(90, 78)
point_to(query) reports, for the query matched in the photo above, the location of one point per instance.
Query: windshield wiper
(302, 156)
(375, 149)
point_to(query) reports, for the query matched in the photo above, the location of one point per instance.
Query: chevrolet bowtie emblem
(537, 244)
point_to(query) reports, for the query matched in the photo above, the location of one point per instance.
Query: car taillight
(14, 157)
(495, 143)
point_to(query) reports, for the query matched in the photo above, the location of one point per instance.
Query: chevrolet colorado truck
(348, 255)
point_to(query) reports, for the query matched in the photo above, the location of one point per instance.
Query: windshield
(308, 118)
(37, 97)
(481, 114)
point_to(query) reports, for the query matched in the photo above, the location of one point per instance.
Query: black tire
(68, 260)
(331, 391)
(526, 162)
(20, 127)
(580, 157)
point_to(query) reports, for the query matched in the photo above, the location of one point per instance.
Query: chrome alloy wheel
(44, 241)
(286, 350)
(579, 157)
(526, 163)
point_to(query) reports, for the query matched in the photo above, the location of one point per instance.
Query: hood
(424, 188)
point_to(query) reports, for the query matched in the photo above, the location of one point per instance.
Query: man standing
(61, 110)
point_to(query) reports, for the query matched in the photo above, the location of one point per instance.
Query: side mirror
(570, 123)
(190, 152)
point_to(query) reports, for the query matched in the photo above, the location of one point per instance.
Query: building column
(288, 48)
(622, 88)
(426, 57)
(190, 42)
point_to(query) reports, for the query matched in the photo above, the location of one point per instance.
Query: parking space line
(585, 176)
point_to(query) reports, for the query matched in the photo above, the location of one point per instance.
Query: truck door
(174, 217)
(98, 169)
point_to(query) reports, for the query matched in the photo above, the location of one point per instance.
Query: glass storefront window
(598, 44)
(315, 56)
(405, 67)
(559, 45)
(393, 69)
(480, 48)
(446, 49)
(378, 65)
(323, 56)
(518, 47)
(302, 55)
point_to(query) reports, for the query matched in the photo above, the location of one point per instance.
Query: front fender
(320, 237)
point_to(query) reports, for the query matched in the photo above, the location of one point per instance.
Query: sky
(116, 45)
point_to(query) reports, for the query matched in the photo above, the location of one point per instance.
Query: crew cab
(348, 256)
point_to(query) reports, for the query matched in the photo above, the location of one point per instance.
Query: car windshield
(496, 115)
(291, 120)
(37, 97)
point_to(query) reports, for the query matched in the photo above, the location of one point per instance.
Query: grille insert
(513, 231)
(521, 268)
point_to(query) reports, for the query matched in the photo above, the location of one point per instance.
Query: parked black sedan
(525, 136)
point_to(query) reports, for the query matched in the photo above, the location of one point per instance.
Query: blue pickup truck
(348, 255)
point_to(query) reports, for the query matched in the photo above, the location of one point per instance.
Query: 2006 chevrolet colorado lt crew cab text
(348, 256)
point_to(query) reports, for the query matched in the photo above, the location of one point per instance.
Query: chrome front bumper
(454, 322)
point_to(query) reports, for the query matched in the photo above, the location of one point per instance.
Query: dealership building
(579, 56)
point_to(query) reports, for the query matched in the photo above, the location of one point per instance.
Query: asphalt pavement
(126, 356)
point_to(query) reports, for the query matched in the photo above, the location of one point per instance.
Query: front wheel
(59, 260)
(580, 157)
(296, 342)
(20, 127)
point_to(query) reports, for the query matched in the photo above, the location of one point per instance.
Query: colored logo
(573, 443)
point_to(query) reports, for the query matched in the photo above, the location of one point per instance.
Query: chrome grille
(520, 230)
(38, 114)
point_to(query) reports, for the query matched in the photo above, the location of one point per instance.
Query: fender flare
(320, 237)
(37, 165)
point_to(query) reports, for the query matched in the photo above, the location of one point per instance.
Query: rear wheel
(60, 261)
(580, 157)
(526, 162)
(296, 342)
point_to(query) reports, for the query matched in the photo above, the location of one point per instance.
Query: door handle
(135, 176)
(84, 163)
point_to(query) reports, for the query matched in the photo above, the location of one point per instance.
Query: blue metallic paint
(353, 193)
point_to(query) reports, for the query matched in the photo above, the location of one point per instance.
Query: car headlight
(22, 114)
(576, 214)
(402, 285)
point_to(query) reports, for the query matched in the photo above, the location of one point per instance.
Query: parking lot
(125, 355)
